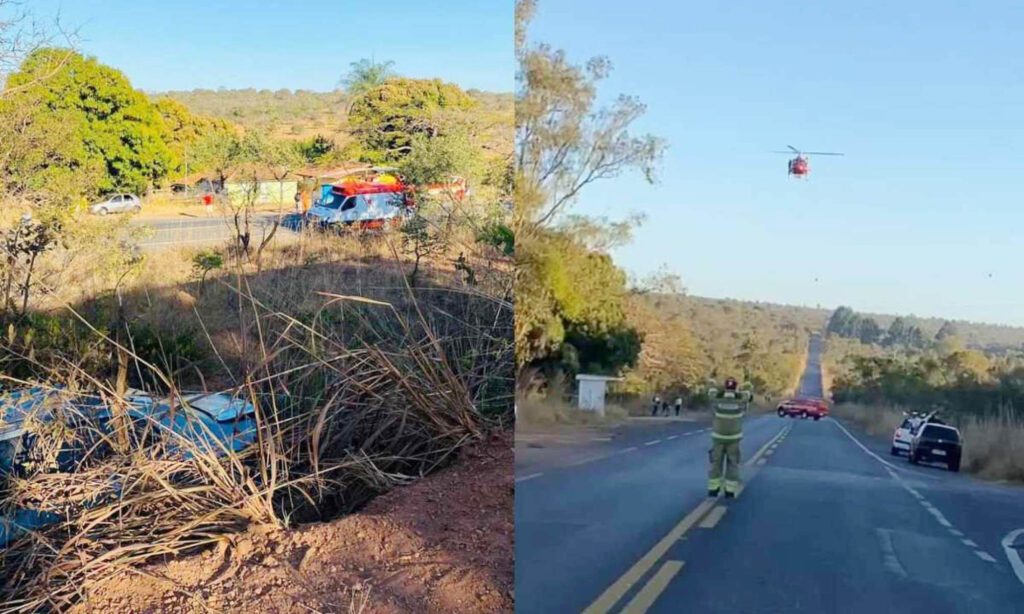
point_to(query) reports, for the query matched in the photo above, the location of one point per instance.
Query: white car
(903, 435)
(117, 203)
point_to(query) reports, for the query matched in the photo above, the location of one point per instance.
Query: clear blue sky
(924, 214)
(308, 44)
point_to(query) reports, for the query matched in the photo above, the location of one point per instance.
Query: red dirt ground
(442, 544)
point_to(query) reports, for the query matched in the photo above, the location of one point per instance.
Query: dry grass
(361, 383)
(877, 420)
(993, 446)
(542, 412)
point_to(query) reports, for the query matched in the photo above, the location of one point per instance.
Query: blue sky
(274, 44)
(924, 214)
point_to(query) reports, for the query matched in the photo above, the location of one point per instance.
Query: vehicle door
(353, 209)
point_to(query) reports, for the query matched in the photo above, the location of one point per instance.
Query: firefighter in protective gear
(726, 433)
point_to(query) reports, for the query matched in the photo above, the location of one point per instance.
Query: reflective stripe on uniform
(726, 437)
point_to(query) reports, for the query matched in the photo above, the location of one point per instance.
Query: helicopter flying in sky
(800, 166)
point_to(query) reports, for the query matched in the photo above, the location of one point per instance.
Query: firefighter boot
(716, 455)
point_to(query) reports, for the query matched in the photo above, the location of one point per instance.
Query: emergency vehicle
(383, 201)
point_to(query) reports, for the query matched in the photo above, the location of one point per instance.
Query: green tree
(316, 149)
(568, 292)
(564, 140)
(385, 119)
(897, 332)
(366, 74)
(183, 130)
(842, 322)
(116, 126)
(581, 302)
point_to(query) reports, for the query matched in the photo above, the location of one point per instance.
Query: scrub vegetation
(370, 363)
(972, 374)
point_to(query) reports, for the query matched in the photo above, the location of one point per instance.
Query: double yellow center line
(645, 598)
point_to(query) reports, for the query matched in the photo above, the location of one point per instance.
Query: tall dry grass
(360, 383)
(993, 446)
(538, 411)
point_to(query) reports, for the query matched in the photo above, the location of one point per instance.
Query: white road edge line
(875, 456)
(651, 443)
(1013, 554)
(528, 477)
(985, 556)
(672, 436)
(968, 542)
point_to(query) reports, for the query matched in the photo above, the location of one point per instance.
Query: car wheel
(816, 418)
(893, 451)
(782, 414)
(136, 208)
(804, 415)
(102, 211)
(954, 465)
(912, 457)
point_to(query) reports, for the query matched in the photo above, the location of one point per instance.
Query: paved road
(171, 232)
(827, 522)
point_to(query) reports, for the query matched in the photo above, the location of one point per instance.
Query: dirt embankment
(442, 544)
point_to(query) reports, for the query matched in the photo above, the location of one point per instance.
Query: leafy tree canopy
(386, 118)
(116, 125)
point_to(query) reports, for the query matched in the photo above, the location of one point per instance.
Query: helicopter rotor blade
(793, 149)
(823, 153)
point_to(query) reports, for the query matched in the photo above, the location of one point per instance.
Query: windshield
(939, 433)
(332, 201)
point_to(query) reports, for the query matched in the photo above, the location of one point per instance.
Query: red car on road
(803, 407)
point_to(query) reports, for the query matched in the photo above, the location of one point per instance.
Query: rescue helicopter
(800, 165)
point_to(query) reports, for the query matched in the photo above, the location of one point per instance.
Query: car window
(939, 433)
(906, 424)
(116, 199)
(350, 203)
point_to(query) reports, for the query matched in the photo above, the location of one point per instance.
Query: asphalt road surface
(172, 232)
(827, 521)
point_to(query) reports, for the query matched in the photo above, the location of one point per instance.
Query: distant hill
(283, 113)
(991, 337)
(302, 114)
(974, 334)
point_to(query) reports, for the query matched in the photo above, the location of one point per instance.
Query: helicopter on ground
(800, 166)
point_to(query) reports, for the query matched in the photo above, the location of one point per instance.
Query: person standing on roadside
(679, 405)
(655, 405)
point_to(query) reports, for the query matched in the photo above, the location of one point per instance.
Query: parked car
(117, 203)
(903, 435)
(934, 442)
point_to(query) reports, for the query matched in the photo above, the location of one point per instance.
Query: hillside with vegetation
(369, 359)
(905, 366)
(305, 116)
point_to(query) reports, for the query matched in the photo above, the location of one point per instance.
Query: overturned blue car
(51, 429)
